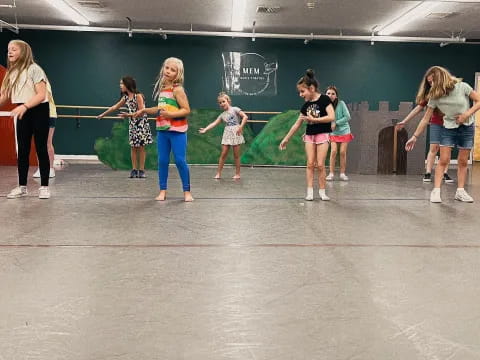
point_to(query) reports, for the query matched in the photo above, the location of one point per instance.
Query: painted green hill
(264, 149)
(114, 151)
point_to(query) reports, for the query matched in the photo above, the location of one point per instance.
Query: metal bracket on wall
(77, 120)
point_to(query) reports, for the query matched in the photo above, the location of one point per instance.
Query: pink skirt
(341, 138)
(317, 139)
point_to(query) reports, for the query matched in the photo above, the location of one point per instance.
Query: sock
(321, 192)
(310, 192)
(460, 189)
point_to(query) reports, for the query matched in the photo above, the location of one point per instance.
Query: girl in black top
(318, 113)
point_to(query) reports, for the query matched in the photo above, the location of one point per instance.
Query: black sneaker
(141, 174)
(427, 177)
(447, 179)
(133, 174)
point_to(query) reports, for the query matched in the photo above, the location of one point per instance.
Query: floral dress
(139, 133)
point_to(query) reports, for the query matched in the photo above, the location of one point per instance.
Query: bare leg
(343, 157)
(221, 160)
(322, 150)
(133, 155)
(333, 157)
(445, 153)
(143, 155)
(462, 163)
(236, 156)
(310, 150)
(432, 153)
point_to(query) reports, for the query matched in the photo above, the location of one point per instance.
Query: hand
(202, 130)
(411, 143)
(165, 113)
(100, 116)
(136, 114)
(239, 131)
(333, 126)
(305, 118)
(19, 111)
(460, 119)
(400, 125)
(283, 144)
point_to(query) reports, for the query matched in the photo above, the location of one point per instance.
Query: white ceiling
(351, 17)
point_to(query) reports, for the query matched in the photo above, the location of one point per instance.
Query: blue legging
(177, 142)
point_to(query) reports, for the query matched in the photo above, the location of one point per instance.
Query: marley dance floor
(248, 271)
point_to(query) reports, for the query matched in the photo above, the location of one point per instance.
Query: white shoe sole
(460, 199)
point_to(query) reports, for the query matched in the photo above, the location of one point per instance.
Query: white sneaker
(462, 195)
(323, 196)
(309, 196)
(18, 192)
(435, 196)
(330, 177)
(44, 192)
(343, 177)
(36, 174)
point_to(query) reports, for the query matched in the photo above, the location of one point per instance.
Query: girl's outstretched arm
(293, 130)
(117, 106)
(210, 126)
(419, 130)
(415, 111)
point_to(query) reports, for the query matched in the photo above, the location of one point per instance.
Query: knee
(310, 165)
(434, 148)
(462, 162)
(343, 152)
(321, 167)
(444, 161)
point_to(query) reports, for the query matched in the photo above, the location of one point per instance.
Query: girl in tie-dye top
(171, 125)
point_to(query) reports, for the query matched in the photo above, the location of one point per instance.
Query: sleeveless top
(167, 101)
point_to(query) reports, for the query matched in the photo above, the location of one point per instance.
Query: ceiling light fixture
(238, 14)
(68, 10)
(414, 13)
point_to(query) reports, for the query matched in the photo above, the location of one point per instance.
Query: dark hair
(130, 84)
(308, 79)
(335, 102)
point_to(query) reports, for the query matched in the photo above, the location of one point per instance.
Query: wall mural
(249, 74)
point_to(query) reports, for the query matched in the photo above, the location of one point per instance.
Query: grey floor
(248, 271)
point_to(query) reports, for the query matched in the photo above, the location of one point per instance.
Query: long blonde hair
(160, 80)
(443, 82)
(23, 62)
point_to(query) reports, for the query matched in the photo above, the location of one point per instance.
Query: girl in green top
(341, 135)
(452, 97)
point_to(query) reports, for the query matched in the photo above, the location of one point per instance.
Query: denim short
(51, 122)
(435, 133)
(461, 137)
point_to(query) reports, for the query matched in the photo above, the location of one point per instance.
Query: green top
(342, 117)
(453, 104)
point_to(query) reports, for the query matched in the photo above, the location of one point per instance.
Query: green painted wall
(85, 69)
